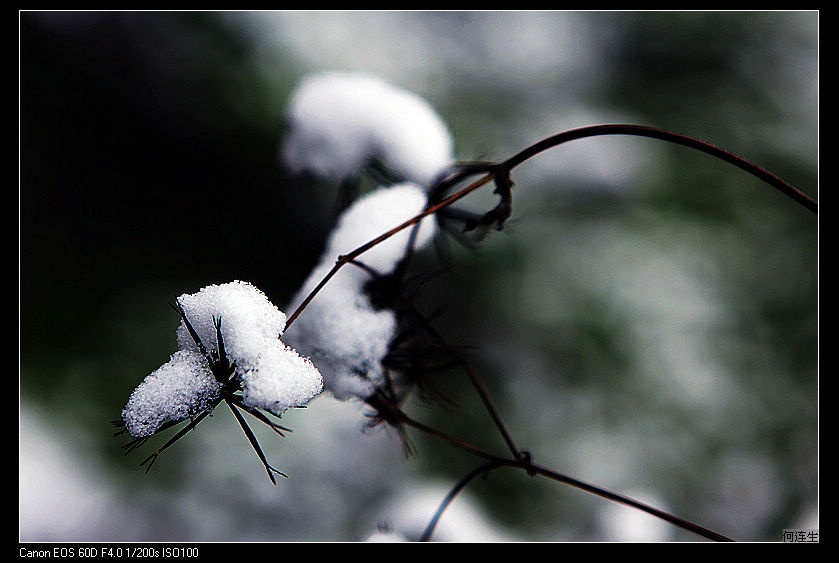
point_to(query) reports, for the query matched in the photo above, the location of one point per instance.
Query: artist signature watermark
(801, 536)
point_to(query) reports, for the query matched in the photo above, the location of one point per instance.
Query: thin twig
(429, 529)
(609, 495)
(524, 462)
(181, 433)
(345, 258)
(391, 412)
(503, 169)
(552, 142)
(252, 439)
(475, 379)
(661, 134)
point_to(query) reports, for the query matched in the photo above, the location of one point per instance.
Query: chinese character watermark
(801, 536)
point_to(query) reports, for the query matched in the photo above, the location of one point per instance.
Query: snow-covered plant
(345, 331)
(238, 320)
(353, 318)
(229, 350)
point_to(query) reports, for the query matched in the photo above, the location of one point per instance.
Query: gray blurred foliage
(647, 321)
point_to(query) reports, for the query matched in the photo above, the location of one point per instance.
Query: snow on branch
(342, 330)
(340, 121)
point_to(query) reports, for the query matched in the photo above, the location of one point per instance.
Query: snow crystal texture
(181, 388)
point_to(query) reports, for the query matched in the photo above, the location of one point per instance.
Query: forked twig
(474, 378)
(181, 433)
(259, 415)
(500, 173)
(526, 464)
(252, 439)
(503, 169)
(346, 258)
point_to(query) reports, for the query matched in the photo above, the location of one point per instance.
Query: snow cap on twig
(274, 377)
(270, 375)
(340, 121)
(342, 331)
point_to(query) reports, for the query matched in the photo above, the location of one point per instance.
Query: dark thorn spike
(254, 443)
(177, 306)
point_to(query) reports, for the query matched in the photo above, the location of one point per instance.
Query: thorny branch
(503, 170)
(500, 174)
(386, 407)
(524, 461)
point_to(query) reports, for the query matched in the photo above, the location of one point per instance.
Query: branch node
(526, 460)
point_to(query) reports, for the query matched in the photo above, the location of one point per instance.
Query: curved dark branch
(525, 463)
(661, 134)
(429, 529)
(609, 495)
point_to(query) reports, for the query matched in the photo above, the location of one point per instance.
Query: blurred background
(648, 320)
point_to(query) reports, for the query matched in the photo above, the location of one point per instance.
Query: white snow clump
(248, 320)
(340, 329)
(180, 389)
(338, 121)
(272, 375)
